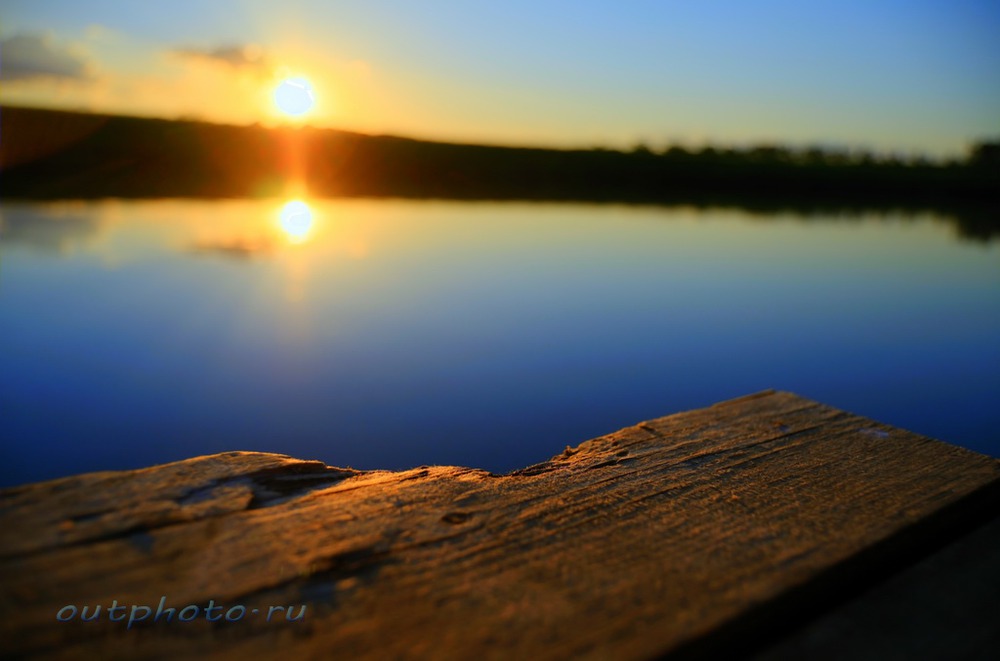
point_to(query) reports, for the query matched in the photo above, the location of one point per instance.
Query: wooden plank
(678, 535)
(947, 606)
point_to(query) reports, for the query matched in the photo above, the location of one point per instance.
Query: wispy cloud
(26, 56)
(246, 57)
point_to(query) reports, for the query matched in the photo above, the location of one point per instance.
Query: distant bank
(46, 154)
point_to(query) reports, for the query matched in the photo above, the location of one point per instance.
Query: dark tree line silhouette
(55, 154)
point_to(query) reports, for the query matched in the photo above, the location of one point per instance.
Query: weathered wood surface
(685, 535)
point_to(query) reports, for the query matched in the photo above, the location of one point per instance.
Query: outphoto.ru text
(134, 613)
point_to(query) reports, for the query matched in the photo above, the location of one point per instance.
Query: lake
(391, 333)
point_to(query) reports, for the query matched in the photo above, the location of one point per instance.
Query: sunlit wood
(691, 532)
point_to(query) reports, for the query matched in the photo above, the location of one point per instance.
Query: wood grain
(661, 538)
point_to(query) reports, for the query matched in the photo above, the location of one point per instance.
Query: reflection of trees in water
(48, 230)
(42, 228)
(979, 223)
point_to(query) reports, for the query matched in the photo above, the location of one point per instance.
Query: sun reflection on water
(296, 220)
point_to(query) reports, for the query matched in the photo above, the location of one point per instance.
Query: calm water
(388, 334)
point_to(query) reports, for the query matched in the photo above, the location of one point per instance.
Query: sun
(294, 96)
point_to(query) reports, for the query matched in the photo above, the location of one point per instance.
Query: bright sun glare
(294, 96)
(296, 219)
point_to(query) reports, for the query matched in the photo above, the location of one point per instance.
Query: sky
(892, 76)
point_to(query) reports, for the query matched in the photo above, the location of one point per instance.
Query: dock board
(700, 533)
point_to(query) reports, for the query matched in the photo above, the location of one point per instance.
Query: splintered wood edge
(62, 529)
(89, 507)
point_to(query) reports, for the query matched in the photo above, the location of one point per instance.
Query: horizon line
(830, 147)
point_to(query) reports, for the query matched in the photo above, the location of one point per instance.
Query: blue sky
(913, 76)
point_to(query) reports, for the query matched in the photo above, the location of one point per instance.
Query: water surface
(389, 334)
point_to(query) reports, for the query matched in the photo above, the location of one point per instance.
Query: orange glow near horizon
(355, 67)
